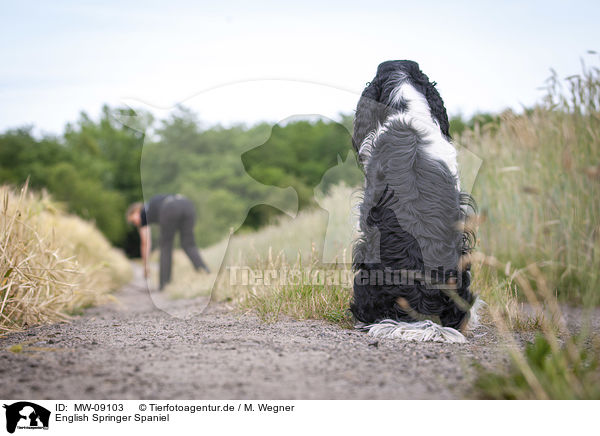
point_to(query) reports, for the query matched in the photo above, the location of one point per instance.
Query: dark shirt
(150, 213)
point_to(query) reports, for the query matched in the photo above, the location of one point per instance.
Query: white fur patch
(419, 116)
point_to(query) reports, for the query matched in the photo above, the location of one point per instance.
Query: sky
(251, 61)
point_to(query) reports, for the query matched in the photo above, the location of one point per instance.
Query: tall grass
(539, 193)
(51, 264)
(539, 187)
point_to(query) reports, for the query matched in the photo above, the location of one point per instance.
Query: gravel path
(135, 351)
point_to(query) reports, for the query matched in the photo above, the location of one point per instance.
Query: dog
(410, 281)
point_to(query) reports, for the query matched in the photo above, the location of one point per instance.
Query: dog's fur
(413, 213)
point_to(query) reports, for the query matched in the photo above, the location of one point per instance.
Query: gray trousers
(177, 214)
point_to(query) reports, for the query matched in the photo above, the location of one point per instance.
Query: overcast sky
(221, 58)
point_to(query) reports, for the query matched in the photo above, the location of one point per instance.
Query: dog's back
(407, 259)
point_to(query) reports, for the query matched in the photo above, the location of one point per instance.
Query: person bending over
(172, 213)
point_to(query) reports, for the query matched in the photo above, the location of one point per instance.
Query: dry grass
(51, 264)
(539, 188)
(305, 289)
(307, 259)
(539, 194)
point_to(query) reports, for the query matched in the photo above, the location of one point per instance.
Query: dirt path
(135, 351)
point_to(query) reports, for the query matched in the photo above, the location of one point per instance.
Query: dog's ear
(438, 110)
(367, 113)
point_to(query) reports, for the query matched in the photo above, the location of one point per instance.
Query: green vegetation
(93, 169)
(226, 171)
(458, 125)
(543, 373)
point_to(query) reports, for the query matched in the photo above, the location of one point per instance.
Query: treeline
(229, 173)
(92, 168)
(238, 173)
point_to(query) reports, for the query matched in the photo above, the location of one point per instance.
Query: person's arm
(145, 246)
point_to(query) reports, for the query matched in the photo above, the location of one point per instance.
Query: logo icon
(26, 415)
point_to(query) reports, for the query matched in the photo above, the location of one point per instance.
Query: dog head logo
(26, 415)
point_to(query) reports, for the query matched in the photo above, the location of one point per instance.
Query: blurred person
(172, 213)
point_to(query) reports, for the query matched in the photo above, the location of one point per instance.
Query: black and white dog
(410, 282)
